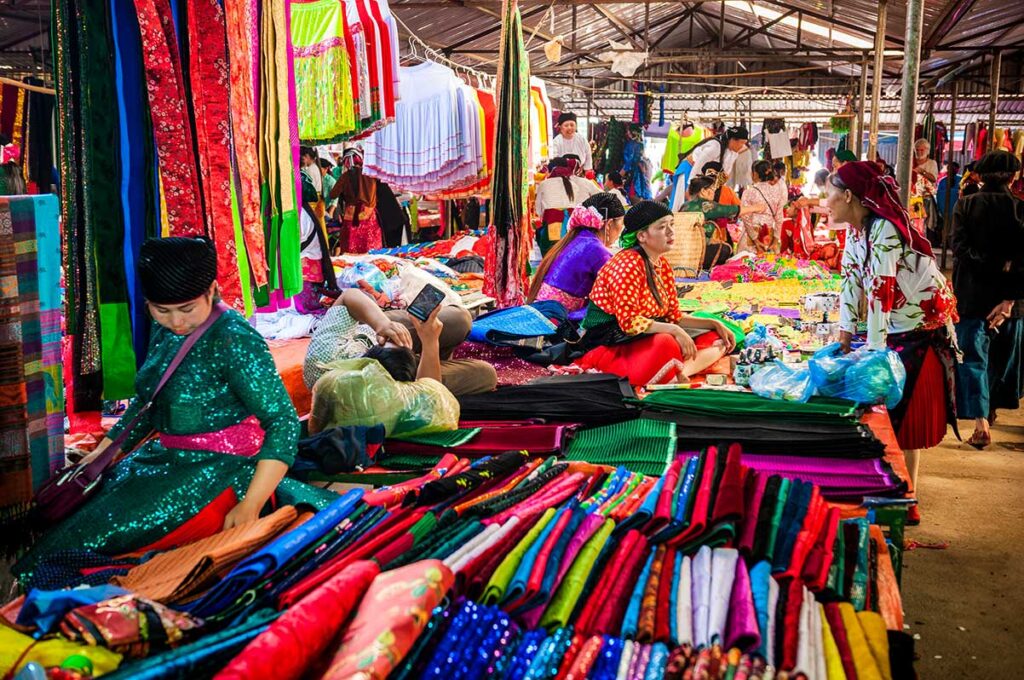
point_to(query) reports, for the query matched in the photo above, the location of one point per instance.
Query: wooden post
(861, 106)
(908, 97)
(947, 216)
(876, 83)
(997, 60)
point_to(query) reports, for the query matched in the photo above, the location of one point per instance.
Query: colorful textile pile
(346, 68)
(770, 267)
(31, 386)
(441, 140)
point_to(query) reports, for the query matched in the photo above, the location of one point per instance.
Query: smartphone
(426, 302)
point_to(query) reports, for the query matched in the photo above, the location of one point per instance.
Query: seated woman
(223, 420)
(702, 200)
(387, 385)
(567, 272)
(562, 191)
(634, 327)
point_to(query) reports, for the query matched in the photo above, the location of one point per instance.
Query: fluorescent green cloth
(447, 440)
(641, 445)
(495, 590)
(746, 405)
(564, 602)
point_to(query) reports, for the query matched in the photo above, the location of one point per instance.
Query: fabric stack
(346, 68)
(439, 139)
(712, 560)
(31, 395)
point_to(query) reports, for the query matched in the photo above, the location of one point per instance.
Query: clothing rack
(416, 45)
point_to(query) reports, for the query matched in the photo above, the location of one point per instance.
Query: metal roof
(24, 38)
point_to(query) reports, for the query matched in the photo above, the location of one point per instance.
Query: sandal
(980, 440)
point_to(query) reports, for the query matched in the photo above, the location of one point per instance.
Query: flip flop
(979, 440)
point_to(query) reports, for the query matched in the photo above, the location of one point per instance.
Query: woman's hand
(686, 344)
(100, 448)
(998, 316)
(726, 335)
(243, 513)
(845, 340)
(395, 333)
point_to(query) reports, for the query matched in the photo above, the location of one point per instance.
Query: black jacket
(988, 236)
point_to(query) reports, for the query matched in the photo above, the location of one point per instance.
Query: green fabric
(748, 406)
(226, 377)
(564, 602)
(712, 211)
(243, 255)
(628, 239)
(116, 349)
(642, 445)
(447, 440)
(737, 330)
(595, 316)
(459, 539)
(780, 505)
(634, 482)
(410, 461)
(495, 590)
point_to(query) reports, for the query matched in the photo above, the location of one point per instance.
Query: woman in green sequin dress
(224, 419)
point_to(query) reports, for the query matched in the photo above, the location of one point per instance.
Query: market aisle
(975, 501)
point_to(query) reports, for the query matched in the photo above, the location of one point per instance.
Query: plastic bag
(760, 335)
(783, 383)
(864, 376)
(349, 277)
(361, 392)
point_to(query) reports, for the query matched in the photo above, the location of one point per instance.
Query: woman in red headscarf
(557, 195)
(910, 304)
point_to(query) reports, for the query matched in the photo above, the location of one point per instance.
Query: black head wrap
(737, 132)
(566, 116)
(607, 204)
(176, 269)
(644, 214)
(997, 163)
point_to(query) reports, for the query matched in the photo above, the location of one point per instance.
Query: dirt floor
(965, 603)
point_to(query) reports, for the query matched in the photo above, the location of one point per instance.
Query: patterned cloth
(326, 110)
(338, 336)
(905, 290)
(621, 290)
(15, 473)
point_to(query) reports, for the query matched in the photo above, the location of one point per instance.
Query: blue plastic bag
(783, 383)
(864, 376)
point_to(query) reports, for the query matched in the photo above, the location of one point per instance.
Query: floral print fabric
(904, 290)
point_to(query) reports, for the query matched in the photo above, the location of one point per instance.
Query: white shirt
(618, 194)
(577, 146)
(551, 194)
(711, 151)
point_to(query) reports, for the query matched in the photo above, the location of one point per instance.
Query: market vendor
(568, 142)
(567, 272)
(910, 305)
(355, 327)
(842, 158)
(634, 326)
(557, 195)
(702, 200)
(724, 149)
(223, 421)
(356, 194)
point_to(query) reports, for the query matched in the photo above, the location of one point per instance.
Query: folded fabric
(340, 449)
(747, 405)
(180, 574)
(596, 399)
(449, 439)
(702, 597)
(683, 632)
(742, 629)
(631, 621)
(512, 323)
(643, 445)
(270, 558)
(566, 597)
(17, 650)
(305, 630)
(723, 574)
(43, 609)
(129, 625)
(496, 589)
(760, 575)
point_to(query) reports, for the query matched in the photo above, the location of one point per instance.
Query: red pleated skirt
(924, 423)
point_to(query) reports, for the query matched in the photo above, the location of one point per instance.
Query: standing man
(569, 143)
(724, 149)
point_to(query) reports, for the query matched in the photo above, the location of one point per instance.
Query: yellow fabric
(483, 135)
(863, 659)
(874, 629)
(545, 121)
(51, 652)
(833, 661)
(676, 145)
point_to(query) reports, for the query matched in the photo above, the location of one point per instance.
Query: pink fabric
(244, 439)
(553, 494)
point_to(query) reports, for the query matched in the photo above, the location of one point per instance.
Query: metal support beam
(862, 103)
(721, 26)
(676, 23)
(988, 31)
(618, 24)
(948, 208)
(950, 18)
(876, 75)
(494, 29)
(760, 30)
(997, 62)
(908, 98)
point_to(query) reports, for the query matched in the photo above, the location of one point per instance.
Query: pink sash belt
(244, 439)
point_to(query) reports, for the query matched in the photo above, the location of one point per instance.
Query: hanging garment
(322, 72)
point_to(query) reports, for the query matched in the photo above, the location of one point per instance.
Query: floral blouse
(905, 290)
(621, 290)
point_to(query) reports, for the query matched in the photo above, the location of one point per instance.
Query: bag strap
(104, 459)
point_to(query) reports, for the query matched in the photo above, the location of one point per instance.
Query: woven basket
(687, 254)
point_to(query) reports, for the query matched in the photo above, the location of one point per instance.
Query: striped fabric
(643, 445)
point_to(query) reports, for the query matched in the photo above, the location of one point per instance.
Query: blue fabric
(940, 194)
(44, 609)
(529, 646)
(527, 321)
(659, 659)
(680, 521)
(673, 600)
(132, 109)
(681, 178)
(972, 376)
(517, 586)
(270, 558)
(607, 665)
(759, 577)
(632, 618)
(792, 521)
(646, 510)
(554, 564)
(549, 658)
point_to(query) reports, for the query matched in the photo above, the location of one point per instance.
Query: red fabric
(585, 660)
(662, 625)
(208, 522)
(755, 488)
(791, 623)
(570, 656)
(305, 630)
(638, 361)
(819, 561)
(396, 493)
(701, 505)
(729, 500)
(384, 37)
(924, 423)
(534, 438)
(807, 536)
(612, 573)
(208, 69)
(880, 194)
(533, 583)
(622, 581)
(171, 127)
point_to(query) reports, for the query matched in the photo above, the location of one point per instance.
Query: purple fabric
(741, 629)
(576, 267)
(837, 477)
(779, 311)
(511, 369)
